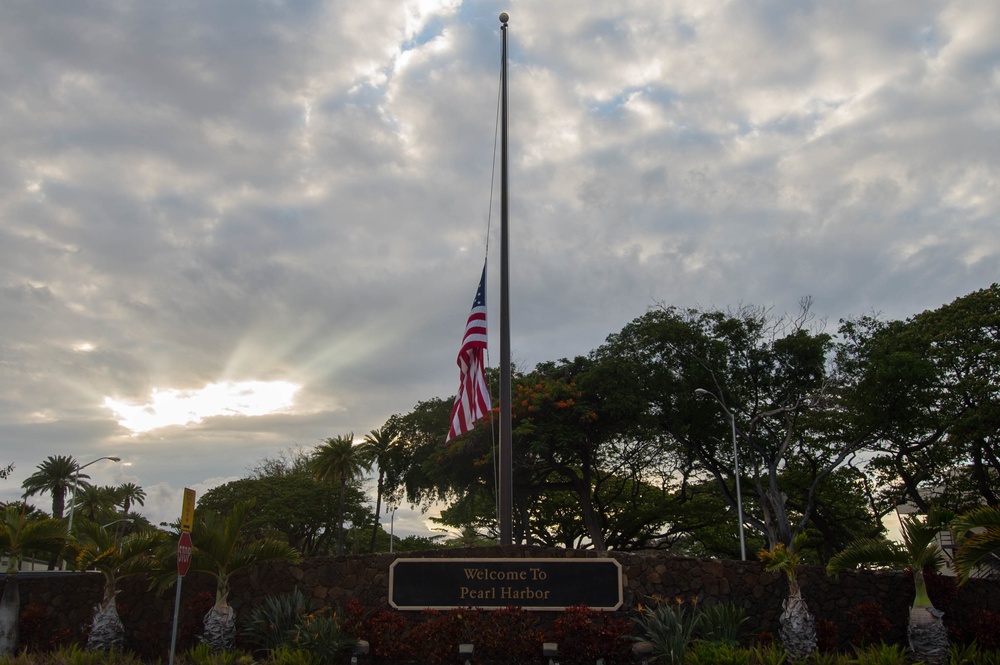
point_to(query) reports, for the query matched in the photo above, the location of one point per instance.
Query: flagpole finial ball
(504, 17)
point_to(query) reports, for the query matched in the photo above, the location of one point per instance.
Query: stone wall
(337, 580)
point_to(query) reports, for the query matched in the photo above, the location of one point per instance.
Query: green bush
(273, 623)
(670, 628)
(321, 636)
(716, 653)
(881, 654)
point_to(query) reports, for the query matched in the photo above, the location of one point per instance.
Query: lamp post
(392, 520)
(76, 482)
(736, 465)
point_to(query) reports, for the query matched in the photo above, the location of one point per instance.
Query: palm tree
(94, 503)
(220, 550)
(18, 536)
(98, 549)
(378, 448)
(979, 540)
(129, 495)
(927, 634)
(338, 460)
(798, 627)
(56, 476)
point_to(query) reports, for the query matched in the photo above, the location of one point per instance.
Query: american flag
(473, 399)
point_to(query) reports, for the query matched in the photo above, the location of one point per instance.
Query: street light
(392, 519)
(76, 482)
(736, 464)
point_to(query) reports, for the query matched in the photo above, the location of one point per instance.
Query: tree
(97, 504)
(379, 448)
(17, 537)
(337, 460)
(978, 533)
(919, 552)
(96, 548)
(129, 495)
(798, 627)
(56, 476)
(220, 548)
(931, 391)
(773, 377)
(293, 507)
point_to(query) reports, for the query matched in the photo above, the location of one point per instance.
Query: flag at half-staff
(473, 399)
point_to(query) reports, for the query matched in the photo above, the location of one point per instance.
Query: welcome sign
(533, 584)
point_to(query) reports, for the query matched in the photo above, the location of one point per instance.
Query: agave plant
(927, 634)
(798, 627)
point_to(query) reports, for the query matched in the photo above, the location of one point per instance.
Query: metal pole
(505, 491)
(736, 468)
(392, 525)
(173, 632)
(76, 482)
(739, 494)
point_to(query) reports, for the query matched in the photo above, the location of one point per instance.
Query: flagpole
(505, 497)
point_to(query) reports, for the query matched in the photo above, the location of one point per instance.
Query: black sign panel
(534, 584)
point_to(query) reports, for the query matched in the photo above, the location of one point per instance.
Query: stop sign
(184, 549)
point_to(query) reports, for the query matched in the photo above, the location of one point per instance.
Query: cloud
(201, 194)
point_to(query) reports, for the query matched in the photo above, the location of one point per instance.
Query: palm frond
(869, 551)
(979, 517)
(975, 549)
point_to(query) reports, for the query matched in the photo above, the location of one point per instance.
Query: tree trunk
(928, 635)
(106, 630)
(798, 628)
(10, 611)
(378, 508)
(220, 629)
(340, 516)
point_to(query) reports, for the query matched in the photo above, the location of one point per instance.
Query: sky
(228, 228)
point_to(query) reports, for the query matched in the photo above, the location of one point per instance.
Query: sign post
(185, 550)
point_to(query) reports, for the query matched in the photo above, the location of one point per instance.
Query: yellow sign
(187, 511)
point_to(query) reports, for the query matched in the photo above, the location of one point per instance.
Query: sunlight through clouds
(186, 407)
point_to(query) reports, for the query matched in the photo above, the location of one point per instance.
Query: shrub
(384, 630)
(769, 654)
(984, 629)
(869, 618)
(286, 655)
(722, 622)
(203, 654)
(435, 639)
(585, 635)
(827, 638)
(670, 628)
(880, 654)
(320, 635)
(508, 635)
(272, 624)
(717, 653)
(194, 618)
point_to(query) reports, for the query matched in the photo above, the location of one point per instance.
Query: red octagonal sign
(184, 549)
